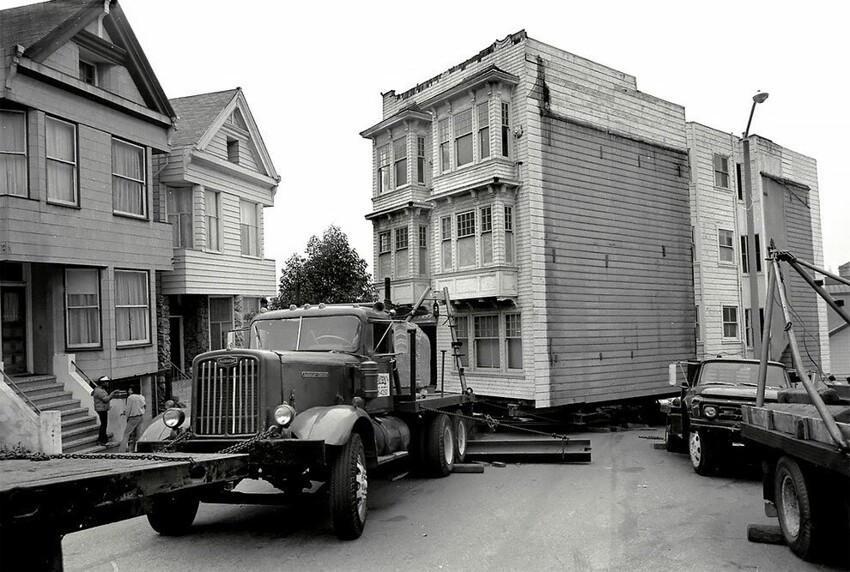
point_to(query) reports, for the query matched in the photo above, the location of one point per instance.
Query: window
(483, 131)
(739, 180)
(466, 239)
(180, 216)
(211, 207)
(250, 308)
(748, 327)
(400, 154)
(721, 171)
(462, 323)
(233, 150)
(758, 253)
(384, 254)
(486, 235)
(423, 251)
(249, 229)
(420, 159)
(513, 340)
(128, 179)
(506, 129)
(446, 246)
(730, 322)
(509, 235)
(61, 162)
(132, 309)
(82, 308)
(727, 245)
(383, 169)
(745, 253)
(486, 335)
(445, 159)
(463, 137)
(221, 322)
(88, 73)
(402, 266)
(13, 153)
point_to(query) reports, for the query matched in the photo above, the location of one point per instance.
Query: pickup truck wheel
(348, 490)
(794, 508)
(672, 441)
(703, 452)
(440, 446)
(461, 436)
(172, 514)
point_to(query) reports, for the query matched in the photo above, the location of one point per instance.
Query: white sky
(313, 72)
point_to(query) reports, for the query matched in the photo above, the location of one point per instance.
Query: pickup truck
(706, 417)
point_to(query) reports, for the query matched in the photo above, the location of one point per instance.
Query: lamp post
(755, 315)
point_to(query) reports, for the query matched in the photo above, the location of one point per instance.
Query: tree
(332, 272)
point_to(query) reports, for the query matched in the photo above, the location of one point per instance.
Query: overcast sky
(313, 72)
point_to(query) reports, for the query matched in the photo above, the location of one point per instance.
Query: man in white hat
(101, 407)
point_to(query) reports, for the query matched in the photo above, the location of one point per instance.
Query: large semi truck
(318, 397)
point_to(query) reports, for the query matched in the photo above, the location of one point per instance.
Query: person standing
(101, 407)
(134, 410)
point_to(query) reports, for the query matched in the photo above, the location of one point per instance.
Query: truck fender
(334, 425)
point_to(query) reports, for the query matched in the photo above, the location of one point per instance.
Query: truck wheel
(672, 441)
(172, 514)
(461, 436)
(794, 508)
(348, 490)
(440, 446)
(703, 452)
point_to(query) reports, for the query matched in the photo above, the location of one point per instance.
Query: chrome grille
(228, 398)
(729, 413)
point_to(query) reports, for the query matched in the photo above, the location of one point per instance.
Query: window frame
(400, 163)
(243, 226)
(180, 216)
(24, 153)
(76, 163)
(466, 230)
(208, 219)
(423, 250)
(82, 62)
(739, 180)
(383, 171)
(510, 237)
(210, 321)
(505, 108)
(401, 247)
(517, 336)
(445, 137)
(137, 342)
(486, 217)
(730, 247)
(729, 323)
(462, 138)
(476, 338)
(68, 308)
(483, 130)
(142, 182)
(719, 171)
(233, 150)
(446, 230)
(420, 159)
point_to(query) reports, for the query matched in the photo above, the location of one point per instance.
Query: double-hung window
(509, 235)
(486, 235)
(13, 153)
(486, 334)
(400, 156)
(420, 159)
(249, 229)
(721, 171)
(466, 239)
(402, 257)
(483, 130)
(445, 146)
(385, 256)
(513, 340)
(82, 308)
(446, 242)
(128, 179)
(423, 251)
(180, 216)
(221, 321)
(726, 240)
(383, 169)
(132, 307)
(739, 180)
(61, 162)
(463, 137)
(730, 322)
(506, 129)
(211, 208)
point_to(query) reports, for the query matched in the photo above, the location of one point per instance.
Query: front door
(14, 329)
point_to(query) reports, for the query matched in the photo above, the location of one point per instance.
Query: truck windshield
(736, 373)
(313, 333)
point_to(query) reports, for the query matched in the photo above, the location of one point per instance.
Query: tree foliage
(331, 272)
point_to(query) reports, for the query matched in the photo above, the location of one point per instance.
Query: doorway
(176, 341)
(14, 329)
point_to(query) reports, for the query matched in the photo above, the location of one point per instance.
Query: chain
(23, 454)
(493, 424)
(239, 447)
(187, 434)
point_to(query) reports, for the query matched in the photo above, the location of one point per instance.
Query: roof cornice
(491, 74)
(407, 114)
(63, 33)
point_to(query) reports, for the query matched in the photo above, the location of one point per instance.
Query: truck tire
(672, 441)
(172, 514)
(794, 507)
(440, 446)
(702, 450)
(348, 490)
(461, 437)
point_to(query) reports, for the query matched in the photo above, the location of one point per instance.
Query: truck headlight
(173, 418)
(284, 414)
(709, 411)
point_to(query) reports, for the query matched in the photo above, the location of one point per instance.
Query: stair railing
(82, 373)
(177, 373)
(26, 398)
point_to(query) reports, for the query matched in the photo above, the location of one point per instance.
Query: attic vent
(233, 150)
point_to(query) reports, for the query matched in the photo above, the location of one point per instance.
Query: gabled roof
(43, 28)
(201, 116)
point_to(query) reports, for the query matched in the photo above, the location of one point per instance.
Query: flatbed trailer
(42, 500)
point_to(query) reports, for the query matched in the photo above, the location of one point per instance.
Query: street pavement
(634, 507)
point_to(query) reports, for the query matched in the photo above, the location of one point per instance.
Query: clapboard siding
(197, 272)
(635, 316)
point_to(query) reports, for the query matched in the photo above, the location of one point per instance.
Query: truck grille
(227, 398)
(729, 413)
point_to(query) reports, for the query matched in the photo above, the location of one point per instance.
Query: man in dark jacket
(101, 407)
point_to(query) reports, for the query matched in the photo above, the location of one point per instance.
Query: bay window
(486, 235)
(463, 137)
(483, 131)
(420, 159)
(509, 235)
(383, 169)
(466, 239)
(13, 153)
(128, 179)
(400, 157)
(82, 308)
(132, 307)
(61, 161)
(506, 129)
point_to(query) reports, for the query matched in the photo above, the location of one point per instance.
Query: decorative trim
(101, 48)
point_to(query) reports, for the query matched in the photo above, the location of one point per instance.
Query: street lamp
(755, 315)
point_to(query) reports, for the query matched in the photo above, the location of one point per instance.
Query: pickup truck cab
(706, 416)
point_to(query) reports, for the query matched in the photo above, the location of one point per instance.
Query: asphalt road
(633, 508)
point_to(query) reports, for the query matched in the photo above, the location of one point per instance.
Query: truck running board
(529, 450)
